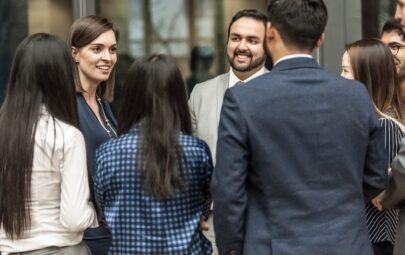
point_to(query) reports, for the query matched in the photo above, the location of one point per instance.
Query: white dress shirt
(60, 207)
(291, 56)
(233, 79)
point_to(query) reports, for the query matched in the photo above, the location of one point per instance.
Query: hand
(377, 202)
(203, 225)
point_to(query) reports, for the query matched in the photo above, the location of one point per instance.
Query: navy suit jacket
(299, 151)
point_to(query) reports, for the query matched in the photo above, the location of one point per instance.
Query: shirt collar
(233, 79)
(292, 56)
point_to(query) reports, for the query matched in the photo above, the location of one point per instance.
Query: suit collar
(223, 82)
(293, 63)
(233, 79)
(222, 85)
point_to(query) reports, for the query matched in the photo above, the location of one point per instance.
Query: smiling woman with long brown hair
(93, 42)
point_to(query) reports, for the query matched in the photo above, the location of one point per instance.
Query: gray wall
(344, 26)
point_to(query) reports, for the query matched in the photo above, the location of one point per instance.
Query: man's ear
(320, 41)
(75, 54)
(270, 32)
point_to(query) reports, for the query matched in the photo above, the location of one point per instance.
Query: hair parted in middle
(373, 65)
(82, 32)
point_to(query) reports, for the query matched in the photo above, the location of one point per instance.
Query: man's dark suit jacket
(299, 151)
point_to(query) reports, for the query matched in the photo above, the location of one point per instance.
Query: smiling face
(393, 39)
(96, 60)
(347, 70)
(245, 45)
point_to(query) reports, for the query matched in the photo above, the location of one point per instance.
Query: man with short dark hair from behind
(300, 150)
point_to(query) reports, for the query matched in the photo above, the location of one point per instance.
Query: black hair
(393, 25)
(299, 22)
(154, 95)
(250, 13)
(41, 76)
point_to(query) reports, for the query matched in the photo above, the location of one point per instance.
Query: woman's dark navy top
(95, 135)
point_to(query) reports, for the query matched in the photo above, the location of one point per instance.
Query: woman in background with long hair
(152, 182)
(370, 62)
(44, 192)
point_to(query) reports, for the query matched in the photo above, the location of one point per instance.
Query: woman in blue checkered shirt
(152, 182)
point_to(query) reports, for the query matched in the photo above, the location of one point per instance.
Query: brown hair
(82, 32)
(374, 66)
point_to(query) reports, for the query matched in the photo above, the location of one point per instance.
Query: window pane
(204, 19)
(179, 49)
(13, 29)
(169, 19)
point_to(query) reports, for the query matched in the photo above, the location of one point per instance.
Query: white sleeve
(76, 211)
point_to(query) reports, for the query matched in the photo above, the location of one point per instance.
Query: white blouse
(60, 207)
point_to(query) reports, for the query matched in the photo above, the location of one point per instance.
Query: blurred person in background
(200, 64)
(393, 36)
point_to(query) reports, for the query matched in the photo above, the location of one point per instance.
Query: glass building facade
(174, 27)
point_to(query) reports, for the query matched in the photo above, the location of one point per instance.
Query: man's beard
(253, 64)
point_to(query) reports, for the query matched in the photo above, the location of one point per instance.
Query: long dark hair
(41, 76)
(82, 32)
(374, 66)
(154, 95)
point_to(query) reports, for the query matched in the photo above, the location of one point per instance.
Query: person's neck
(245, 75)
(90, 92)
(282, 51)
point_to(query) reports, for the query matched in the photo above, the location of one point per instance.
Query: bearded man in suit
(246, 56)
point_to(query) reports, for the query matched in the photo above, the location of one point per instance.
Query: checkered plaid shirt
(141, 224)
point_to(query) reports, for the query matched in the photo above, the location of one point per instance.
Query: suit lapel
(222, 85)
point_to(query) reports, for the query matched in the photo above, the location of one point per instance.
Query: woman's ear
(75, 54)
